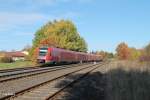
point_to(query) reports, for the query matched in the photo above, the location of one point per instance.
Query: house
(16, 55)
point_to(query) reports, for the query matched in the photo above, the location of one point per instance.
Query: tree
(134, 54)
(61, 34)
(105, 55)
(145, 54)
(123, 51)
(147, 50)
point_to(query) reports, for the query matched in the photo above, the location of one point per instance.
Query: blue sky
(102, 23)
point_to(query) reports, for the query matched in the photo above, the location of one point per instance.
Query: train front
(44, 55)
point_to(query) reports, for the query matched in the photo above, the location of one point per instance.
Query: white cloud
(21, 18)
(41, 2)
(30, 18)
(26, 23)
(19, 33)
(12, 21)
(7, 17)
(28, 1)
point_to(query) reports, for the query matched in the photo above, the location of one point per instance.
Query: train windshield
(43, 51)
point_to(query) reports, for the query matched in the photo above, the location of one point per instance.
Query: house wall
(18, 58)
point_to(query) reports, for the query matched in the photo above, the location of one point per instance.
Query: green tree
(61, 34)
(134, 54)
(147, 50)
(105, 55)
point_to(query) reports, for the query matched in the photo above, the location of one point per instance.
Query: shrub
(6, 59)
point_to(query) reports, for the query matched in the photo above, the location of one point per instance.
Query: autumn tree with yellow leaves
(127, 53)
(123, 51)
(61, 34)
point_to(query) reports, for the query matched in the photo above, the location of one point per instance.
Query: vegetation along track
(13, 87)
(47, 90)
(30, 72)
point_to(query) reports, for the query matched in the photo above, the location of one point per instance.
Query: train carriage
(57, 55)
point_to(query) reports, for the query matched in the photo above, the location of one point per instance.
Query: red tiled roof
(15, 54)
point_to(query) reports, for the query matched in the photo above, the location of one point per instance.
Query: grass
(17, 64)
(128, 80)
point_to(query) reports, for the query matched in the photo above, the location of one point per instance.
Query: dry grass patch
(128, 80)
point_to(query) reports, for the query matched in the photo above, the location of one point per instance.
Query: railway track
(46, 90)
(26, 68)
(55, 95)
(30, 72)
(8, 72)
(12, 87)
(16, 69)
(65, 92)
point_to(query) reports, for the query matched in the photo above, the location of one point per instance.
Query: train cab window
(43, 51)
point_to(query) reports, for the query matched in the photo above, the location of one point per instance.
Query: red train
(57, 55)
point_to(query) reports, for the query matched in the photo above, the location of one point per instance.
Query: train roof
(70, 51)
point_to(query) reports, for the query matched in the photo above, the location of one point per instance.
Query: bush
(6, 59)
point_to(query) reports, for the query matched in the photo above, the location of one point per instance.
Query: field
(17, 64)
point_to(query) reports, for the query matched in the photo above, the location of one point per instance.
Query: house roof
(15, 54)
